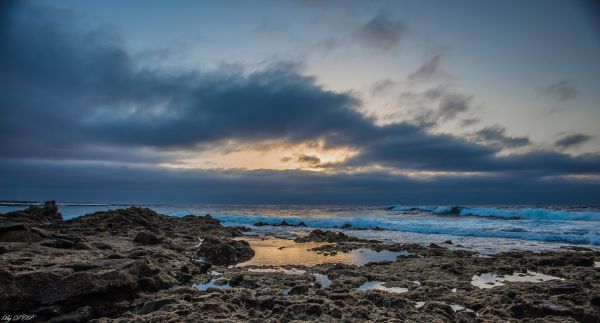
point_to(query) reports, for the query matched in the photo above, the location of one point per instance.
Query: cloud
(90, 91)
(469, 122)
(573, 140)
(134, 184)
(562, 91)
(310, 160)
(451, 105)
(381, 32)
(88, 99)
(431, 70)
(497, 135)
(381, 87)
(437, 105)
(319, 4)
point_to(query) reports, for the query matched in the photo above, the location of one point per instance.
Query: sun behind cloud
(274, 155)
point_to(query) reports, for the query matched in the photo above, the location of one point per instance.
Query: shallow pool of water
(377, 285)
(282, 252)
(291, 271)
(323, 280)
(210, 284)
(491, 280)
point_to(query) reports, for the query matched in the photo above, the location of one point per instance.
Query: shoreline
(136, 265)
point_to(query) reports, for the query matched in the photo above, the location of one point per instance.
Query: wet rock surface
(224, 251)
(134, 265)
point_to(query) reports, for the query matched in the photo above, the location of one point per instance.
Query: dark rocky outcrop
(283, 223)
(319, 235)
(21, 232)
(48, 213)
(225, 252)
(146, 238)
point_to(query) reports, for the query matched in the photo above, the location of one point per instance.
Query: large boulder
(70, 288)
(225, 252)
(113, 275)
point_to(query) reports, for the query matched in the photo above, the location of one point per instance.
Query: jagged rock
(314, 309)
(225, 252)
(435, 246)
(319, 235)
(283, 223)
(20, 291)
(299, 290)
(563, 288)
(81, 314)
(146, 238)
(441, 309)
(567, 259)
(260, 224)
(541, 309)
(114, 275)
(48, 213)
(236, 280)
(132, 217)
(202, 266)
(265, 302)
(19, 233)
(155, 305)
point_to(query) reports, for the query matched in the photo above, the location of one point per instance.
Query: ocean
(486, 229)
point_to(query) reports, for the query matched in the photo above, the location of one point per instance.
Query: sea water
(487, 229)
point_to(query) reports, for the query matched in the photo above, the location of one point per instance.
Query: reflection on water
(491, 280)
(323, 280)
(210, 284)
(281, 252)
(377, 285)
(292, 271)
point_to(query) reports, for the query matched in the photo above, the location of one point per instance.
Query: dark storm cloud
(381, 32)
(496, 135)
(562, 91)
(62, 89)
(447, 154)
(68, 94)
(125, 184)
(573, 140)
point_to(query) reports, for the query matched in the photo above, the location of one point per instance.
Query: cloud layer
(73, 95)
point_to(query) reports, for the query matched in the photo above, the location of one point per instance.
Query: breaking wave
(504, 213)
(555, 231)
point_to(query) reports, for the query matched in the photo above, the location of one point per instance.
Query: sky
(300, 101)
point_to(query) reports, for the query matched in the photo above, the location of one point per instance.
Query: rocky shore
(136, 265)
